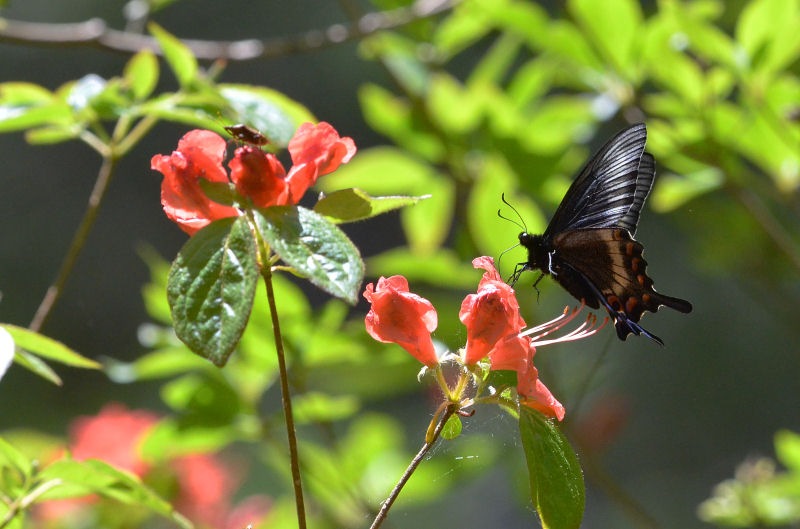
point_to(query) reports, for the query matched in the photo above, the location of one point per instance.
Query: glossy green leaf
(177, 54)
(141, 74)
(452, 428)
(11, 457)
(614, 27)
(41, 345)
(36, 365)
(557, 488)
(272, 113)
(319, 407)
(211, 287)
(313, 246)
(350, 205)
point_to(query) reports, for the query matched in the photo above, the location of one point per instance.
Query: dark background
(727, 380)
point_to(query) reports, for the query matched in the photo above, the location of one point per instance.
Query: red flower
(260, 176)
(113, 435)
(398, 316)
(515, 353)
(200, 154)
(315, 149)
(489, 315)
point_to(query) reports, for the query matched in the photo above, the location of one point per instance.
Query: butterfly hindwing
(607, 192)
(606, 267)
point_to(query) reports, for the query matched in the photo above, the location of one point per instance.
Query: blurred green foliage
(494, 96)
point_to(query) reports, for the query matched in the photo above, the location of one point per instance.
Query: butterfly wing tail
(681, 305)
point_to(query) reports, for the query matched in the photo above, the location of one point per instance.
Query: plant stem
(387, 504)
(78, 241)
(266, 273)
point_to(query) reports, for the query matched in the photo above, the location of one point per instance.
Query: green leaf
(36, 365)
(177, 54)
(787, 449)
(162, 363)
(453, 108)
(350, 205)
(614, 27)
(313, 246)
(443, 268)
(26, 105)
(557, 488)
(673, 191)
(10, 456)
(222, 192)
(211, 287)
(427, 224)
(141, 74)
(272, 113)
(41, 345)
(319, 407)
(380, 171)
(52, 135)
(452, 428)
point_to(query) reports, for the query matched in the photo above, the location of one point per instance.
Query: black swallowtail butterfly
(589, 248)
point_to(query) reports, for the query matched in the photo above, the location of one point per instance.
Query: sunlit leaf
(41, 345)
(310, 244)
(557, 489)
(141, 74)
(350, 205)
(211, 287)
(177, 54)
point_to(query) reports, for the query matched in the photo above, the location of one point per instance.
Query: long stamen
(587, 328)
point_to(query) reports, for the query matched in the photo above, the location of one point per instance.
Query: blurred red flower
(401, 317)
(316, 150)
(205, 484)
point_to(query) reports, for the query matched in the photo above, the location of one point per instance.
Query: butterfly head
(537, 250)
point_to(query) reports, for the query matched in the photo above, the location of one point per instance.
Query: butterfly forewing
(606, 188)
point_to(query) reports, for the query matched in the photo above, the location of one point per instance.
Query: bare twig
(77, 243)
(96, 33)
(294, 458)
(451, 409)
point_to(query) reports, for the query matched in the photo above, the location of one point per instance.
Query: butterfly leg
(536, 283)
(521, 267)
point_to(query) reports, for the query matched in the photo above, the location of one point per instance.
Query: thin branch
(411, 468)
(294, 458)
(78, 241)
(96, 33)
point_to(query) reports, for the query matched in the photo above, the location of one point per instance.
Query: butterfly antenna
(523, 226)
(505, 251)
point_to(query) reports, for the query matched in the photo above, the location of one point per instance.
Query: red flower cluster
(316, 150)
(205, 484)
(494, 328)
